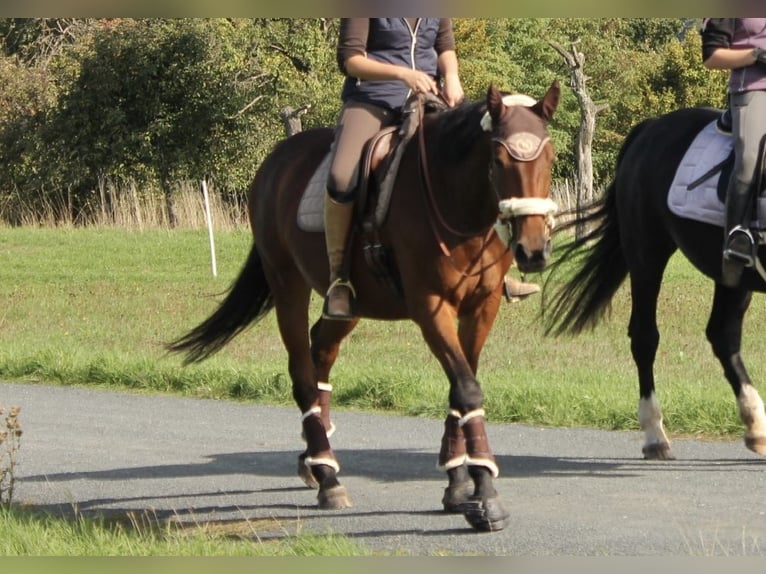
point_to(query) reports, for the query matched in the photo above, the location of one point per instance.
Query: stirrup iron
(351, 303)
(740, 246)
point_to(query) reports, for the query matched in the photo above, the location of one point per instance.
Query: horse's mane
(456, 130)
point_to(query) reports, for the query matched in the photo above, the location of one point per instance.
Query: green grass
(95, 307)
(32, 534)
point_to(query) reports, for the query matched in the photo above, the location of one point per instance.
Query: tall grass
(127, 206)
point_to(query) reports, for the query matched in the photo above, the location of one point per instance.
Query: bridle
(522, 146)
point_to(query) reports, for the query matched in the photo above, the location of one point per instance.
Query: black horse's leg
(291, 304)
(644, 340)
(483, 509)
(724, 331)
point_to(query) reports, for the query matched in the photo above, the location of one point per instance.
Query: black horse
(632, 231)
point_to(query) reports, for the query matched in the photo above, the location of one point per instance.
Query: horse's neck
(464, 192)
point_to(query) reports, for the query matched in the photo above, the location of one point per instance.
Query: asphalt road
(570, 491)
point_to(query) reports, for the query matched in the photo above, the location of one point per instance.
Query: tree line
(99, 104)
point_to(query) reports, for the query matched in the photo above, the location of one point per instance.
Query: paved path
(570, 491)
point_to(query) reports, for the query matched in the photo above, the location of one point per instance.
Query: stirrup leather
(740, 246)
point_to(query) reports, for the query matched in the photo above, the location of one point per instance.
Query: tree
(158, 99)
(575, 61)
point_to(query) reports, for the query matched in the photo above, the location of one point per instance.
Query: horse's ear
(495, 105)
(545, 107)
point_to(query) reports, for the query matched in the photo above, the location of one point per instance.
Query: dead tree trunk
(291, 118)
(588, 111)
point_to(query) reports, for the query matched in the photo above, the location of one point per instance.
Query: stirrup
(740, 246)
(349, 306)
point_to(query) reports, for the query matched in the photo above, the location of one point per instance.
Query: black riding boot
(739, 245)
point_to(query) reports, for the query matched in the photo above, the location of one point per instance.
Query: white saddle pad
(311, 207)
(708, 149)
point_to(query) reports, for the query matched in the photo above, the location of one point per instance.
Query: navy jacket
(391, 40)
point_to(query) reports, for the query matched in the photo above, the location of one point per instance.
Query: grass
(95, 306)
(33, 534)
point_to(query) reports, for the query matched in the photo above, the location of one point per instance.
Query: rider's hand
(452, 91)
(420, 82)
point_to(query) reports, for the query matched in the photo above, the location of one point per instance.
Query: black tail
(249, 299)
(585, 298)
(582, 301)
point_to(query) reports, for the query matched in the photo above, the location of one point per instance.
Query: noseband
(522, 146)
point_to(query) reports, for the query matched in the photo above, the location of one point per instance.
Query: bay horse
(631, 231)
(476, 172)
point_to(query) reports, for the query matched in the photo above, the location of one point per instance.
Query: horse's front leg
(724, 331)
(644, 341)
(465, 446)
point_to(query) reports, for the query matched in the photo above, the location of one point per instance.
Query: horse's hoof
(486, 514)
(756, 443)
(334, 498)
(658, 451)
(305, 473)
(455, 496)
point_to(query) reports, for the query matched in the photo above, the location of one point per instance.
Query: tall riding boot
(339, 301)
(739, 245)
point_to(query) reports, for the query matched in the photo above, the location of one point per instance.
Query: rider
(739, 45)
(384, 61)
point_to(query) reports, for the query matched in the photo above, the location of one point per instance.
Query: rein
(434, 211)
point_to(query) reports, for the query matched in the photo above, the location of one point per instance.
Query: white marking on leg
(650, 419)
(751, 412)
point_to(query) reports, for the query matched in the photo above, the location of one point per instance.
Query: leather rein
(435, 213)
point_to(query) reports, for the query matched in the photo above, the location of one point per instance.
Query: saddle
(698, 190)
(379, 167)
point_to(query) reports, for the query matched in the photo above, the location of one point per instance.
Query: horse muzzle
(531, 249)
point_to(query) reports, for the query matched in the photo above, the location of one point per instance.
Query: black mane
(456, 130)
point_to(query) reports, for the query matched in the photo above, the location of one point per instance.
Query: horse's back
(282, 177)
(653, 149)
(663, 140)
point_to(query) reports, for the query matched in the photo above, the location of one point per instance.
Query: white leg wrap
(468, 416)
(331, 462)
(650, 419)
(324, 387)
(317, 411)
(452, 463)
(751, 411)
(310, 412)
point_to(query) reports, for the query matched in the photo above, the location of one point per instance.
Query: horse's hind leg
(724, 331)
(326, 337)
(644, 340)
(291, 302)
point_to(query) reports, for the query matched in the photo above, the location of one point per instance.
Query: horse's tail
(248, 300)
(582, 301)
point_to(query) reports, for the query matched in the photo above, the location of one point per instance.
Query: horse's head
(522, 159)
